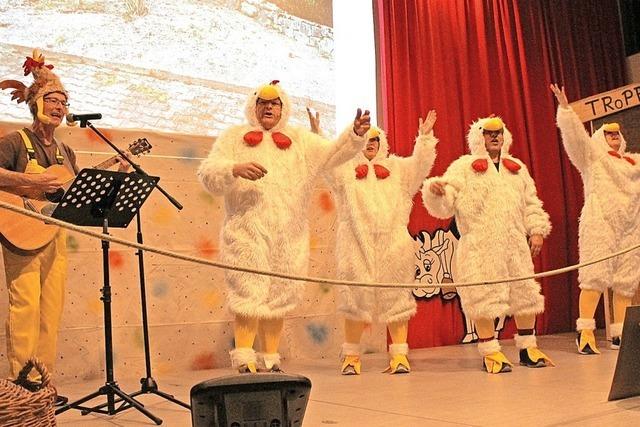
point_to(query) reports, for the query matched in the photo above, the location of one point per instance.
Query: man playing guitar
(35, 277)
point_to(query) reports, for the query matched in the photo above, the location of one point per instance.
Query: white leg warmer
(395, 349)
(350, 349)
(242, 356)
(270, 360)
(582, 324)
(525, 341)
(488, 347)
(616, 329)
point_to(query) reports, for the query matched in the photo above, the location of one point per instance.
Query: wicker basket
(21, 407)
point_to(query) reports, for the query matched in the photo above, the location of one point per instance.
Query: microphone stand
(148, 384)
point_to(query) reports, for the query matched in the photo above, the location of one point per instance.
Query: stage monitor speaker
(626, 380)
(250, 400)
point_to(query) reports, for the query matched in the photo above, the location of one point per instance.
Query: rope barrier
(287, 276)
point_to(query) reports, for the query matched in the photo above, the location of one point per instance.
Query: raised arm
(351, 141)
(575, 138)
(416, 168)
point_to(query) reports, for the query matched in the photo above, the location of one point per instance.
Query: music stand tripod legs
(110, 389)
(147, 384)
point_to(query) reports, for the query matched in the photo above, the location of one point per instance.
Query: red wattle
(480, 165)
(381, 171)
(362, 171)
(253, 138)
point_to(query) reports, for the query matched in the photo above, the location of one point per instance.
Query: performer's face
(55, 107)
(493, 140)
(613, 139)
(372, 147)
(268, 112)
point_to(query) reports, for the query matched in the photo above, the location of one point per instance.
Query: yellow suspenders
(32, 164)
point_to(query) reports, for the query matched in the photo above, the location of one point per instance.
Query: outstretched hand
(314, 121)
(535, 243)
(426, 126)
(561, 96)
(362, 122)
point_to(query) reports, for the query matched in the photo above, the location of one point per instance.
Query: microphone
(82, 117)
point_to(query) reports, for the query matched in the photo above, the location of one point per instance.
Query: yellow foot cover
(249, 368)
(351, 365)
(399, 364)
(587, 342)
(534, 358)
(496, 363)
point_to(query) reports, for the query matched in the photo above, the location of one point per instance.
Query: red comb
(31, 64)
(274, 82)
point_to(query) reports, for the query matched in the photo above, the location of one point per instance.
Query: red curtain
(468, 59)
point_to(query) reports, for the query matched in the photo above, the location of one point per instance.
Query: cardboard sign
(606, 103)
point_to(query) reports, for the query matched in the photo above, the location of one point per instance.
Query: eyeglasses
(265, 102)
(55, 101)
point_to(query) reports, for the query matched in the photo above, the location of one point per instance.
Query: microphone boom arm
(135, 166)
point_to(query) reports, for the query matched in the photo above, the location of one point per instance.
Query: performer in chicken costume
(265, 170)
(374, 194)
(610, 219)
(498, 212)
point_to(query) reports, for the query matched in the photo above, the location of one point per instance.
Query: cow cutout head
(433, 264)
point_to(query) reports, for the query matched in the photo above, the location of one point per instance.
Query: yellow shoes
(530, 354)
(244, 360)
(586, 342)
(399, 364)
(496, 363)
(351, 365)
(534, 358)
(249, 368)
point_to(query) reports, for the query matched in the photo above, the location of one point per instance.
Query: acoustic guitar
(28, 233)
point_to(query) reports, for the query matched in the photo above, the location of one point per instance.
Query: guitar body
(28, 233)
(24, 232)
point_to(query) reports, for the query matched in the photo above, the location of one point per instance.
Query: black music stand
(108, 199)
(148, 383)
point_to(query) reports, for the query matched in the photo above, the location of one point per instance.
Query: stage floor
(445, 388)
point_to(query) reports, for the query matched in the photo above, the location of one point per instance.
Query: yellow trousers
(36, 285)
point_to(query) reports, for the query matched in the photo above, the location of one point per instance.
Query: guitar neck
(107, 163)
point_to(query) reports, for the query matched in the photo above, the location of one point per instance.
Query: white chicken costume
(496, 208)
(266, 223)
(374, 199)
(609, 222)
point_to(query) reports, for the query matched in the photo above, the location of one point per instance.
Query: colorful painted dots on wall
(206, 197)
(326, 201)
(206, 248)
(159, 288)
(72, 243)
(212, 299)
(202, 361)
(116, 260)
(188, 154)
(163, 215)
(324, 288)
(317, 332)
